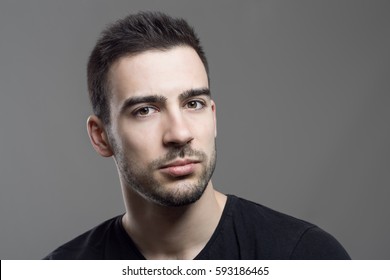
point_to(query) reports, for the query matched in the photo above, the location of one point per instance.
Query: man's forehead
(155, 72)
(153, 61)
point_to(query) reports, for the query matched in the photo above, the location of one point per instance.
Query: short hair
(132, 35)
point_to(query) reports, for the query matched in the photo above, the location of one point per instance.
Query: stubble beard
(181, 192)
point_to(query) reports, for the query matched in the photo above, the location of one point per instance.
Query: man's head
(161, 124)
(132, 35)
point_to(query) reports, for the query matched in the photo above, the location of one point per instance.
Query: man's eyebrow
(142, 99)
(194, 92)
(128, 103)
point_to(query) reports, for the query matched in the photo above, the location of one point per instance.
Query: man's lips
(179, 168)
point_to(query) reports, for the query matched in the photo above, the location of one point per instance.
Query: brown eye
(144, 111)
(195, 104)
(192, 104)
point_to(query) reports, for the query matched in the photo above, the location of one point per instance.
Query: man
(153, 113)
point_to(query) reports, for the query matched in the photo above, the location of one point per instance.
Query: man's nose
(177, 130)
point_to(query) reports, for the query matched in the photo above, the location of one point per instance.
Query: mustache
(175, 153)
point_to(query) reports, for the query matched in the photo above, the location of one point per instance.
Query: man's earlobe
(98, 136)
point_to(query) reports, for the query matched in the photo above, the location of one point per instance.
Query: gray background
(302, 94)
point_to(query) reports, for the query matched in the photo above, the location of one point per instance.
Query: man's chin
(177, 194)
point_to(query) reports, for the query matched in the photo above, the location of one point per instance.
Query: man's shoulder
(255, 213)
(89, 245)
(284, 236)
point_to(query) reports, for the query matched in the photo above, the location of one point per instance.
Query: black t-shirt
(246, 230)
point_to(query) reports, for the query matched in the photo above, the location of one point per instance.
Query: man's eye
(145, 111)
(195, 104)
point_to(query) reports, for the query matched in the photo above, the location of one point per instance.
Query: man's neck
(173, 232)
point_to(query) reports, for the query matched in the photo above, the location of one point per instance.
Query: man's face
(163, 125)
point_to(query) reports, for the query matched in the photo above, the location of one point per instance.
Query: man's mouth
(179, 168)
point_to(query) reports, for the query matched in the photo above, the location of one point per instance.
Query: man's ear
(213, 108)
(98, 136)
